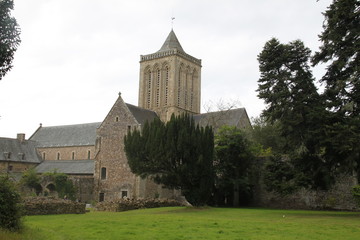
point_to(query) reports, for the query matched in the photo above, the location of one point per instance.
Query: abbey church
(92, 154)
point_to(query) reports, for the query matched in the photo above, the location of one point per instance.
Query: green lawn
(189, 223)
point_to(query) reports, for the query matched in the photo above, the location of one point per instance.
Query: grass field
(189, 223)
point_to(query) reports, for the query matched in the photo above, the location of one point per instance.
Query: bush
(31, 180)
(10, 208)
(356, 194)
(63, 186)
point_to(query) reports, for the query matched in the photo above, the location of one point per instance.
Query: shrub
(10, 208)
(63, 186)
(356, 194)
(31, 180)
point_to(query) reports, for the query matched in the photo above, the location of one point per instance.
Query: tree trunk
(236, 194)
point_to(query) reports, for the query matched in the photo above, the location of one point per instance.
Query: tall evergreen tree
(177, 154)
(9, 36)
(287, 86)
(340, 51)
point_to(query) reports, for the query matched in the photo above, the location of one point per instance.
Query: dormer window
(21, 156)
(7, 155)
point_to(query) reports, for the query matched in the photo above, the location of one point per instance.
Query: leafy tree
(31, 180)
(10, 209)
(340, 51)
(177, 154)
(9, 36)
(233, 162)
(63, 185)
(268, 135)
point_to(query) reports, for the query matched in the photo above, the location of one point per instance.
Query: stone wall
(111, 155)
(46, 206)
(15, 167)
(339, 197)
(66, 153)
(84, 186)
(131, 204)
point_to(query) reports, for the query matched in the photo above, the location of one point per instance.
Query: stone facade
(67, 153)
(113, 176)
(170, 81)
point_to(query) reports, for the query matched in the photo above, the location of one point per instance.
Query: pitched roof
(67, 135)
(230, 117)
(18, 151)
(171, 43)
(141, 115)
(67, 166)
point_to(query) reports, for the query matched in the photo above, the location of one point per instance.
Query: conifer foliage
(9, 36)
(177, 154)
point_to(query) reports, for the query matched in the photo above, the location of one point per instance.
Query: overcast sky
(77, 55)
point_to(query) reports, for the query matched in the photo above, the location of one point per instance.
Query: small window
(22, 156)
(10, 168)
(73, 155)
(58, 156)
(124, 194)
(129, 128)
(43, 156)
(101, 197)
(89, 154)
(116, 119)
(103, 173)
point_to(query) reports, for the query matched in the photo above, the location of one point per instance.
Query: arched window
(194, 78)
(103, 173)
(73, 155)
(166, 85)
(148, 87)
(158, 78)
(179, 87)
(89, 154)
(58, 156)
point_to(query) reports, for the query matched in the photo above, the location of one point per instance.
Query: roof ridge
(68, 125)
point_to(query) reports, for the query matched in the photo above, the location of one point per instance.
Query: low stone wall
(339, 197)
(46, 206)
(132, 204)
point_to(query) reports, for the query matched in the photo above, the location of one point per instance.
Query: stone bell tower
(170, 80)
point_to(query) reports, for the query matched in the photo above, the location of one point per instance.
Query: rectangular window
(44, 156)
(89, 154)
(124, 194)
(103, 173)
(73, 155)
(10, 168)
(58, 156)
(101, 197)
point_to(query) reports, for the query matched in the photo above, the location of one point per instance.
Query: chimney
(21, 137)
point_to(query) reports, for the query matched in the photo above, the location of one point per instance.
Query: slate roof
(230, 117)
(171, 43)
(67, 166)
(67, 135)
(18, 151)
(142, 115)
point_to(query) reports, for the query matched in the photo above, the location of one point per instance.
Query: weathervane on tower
(172, 22)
